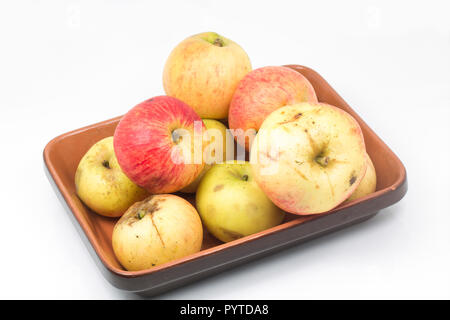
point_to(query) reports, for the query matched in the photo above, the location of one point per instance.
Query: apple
(203, 71)
(156, 230)
(232, 205)
(261, 92)
(158, 144)
(219, 147)
(101, 184)
(308, 157)
(368, 183)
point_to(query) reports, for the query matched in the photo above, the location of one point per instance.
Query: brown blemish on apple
(140, 209)
(157, 231)
(352, 179)
(218, 187)
(300, 174)
(232, 234)
(295, 117)
(148, 207)
(311, 141)
(329, 183)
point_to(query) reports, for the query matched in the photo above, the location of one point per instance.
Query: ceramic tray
(62, 155)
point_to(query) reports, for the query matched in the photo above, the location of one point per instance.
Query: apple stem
(176, 137)
(140, 214)
(105, 163)
(323, 161)
(245, 177)
(218, 42)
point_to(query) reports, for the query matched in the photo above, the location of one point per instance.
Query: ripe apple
(156, 230)
(232, 205)
(308, 157)
(203, 71)
(101, 184)
(262, 91)
(219, 148)
(368, 183)
(159, 145)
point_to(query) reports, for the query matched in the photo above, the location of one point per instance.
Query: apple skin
(232, 205)
(261, 92)
(212, 156)
(148, 151)
(368, 183)
(309, 157)
(203, 71)
(156, 230)
(101, 184)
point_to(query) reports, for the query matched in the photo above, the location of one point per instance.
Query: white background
(67, 64)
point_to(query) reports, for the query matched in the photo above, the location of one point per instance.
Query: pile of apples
(305, 157)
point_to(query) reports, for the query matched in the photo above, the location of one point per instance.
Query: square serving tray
(61, 158)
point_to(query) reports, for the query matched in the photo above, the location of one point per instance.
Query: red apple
(261, 92)
(158, 144)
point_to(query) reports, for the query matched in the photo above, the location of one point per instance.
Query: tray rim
(219, 248)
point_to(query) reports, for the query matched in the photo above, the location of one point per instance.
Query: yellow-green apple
(203, 71)
(101, 184)
(259, 93)
(368, 183)
(156, 230)
(308, 157)
(219, 147)
(232, 205)
(158, 144)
